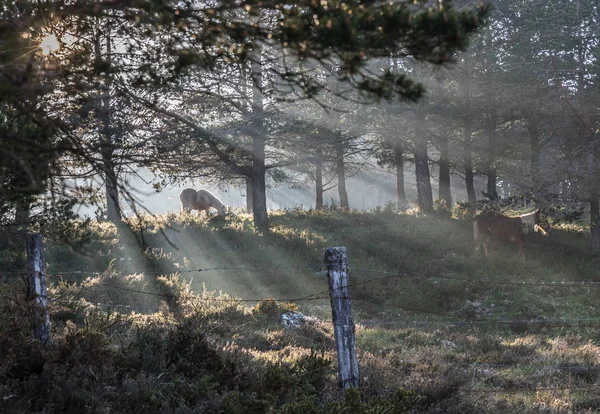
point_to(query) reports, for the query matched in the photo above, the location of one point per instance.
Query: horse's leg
(479, 240)
(521, 244)
(478, 234)
(486, 244)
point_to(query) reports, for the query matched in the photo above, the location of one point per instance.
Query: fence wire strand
(323, 295)
(316, 267)
(555, 322)
(393, 275)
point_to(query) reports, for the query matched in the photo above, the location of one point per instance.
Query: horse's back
(501, 226)
(205, 198)
(187, 196)
(205, 194)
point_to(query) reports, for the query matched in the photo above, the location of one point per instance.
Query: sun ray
(20, 57)
(28, 48)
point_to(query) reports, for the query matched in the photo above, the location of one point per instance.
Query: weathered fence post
(37, 287)
(336, 259)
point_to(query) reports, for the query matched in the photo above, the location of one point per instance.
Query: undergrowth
(183, 314)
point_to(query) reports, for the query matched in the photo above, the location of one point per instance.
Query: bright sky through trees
(49, 44)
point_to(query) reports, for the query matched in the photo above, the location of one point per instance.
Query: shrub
(272, 308)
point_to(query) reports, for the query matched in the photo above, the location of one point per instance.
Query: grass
(207, 339)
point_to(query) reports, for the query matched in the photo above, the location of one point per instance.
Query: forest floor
(181, 314)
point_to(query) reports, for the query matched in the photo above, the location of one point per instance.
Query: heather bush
(142, 324)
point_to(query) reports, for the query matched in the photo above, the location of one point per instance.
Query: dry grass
(426, 321)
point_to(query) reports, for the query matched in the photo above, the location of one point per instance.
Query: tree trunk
(37, 290)
(492, 178)
(595, 225)
(336, 259)
(341, 173)
(113, 211)
(319, 180)
(399, 160)
(424, 193)
(468, 163)
(22, 215)
(534, 152)
(107, 146)
(492, 174)
(445, 194)
(22, 220)
(259, 194)
(259, 182)
(249, 202)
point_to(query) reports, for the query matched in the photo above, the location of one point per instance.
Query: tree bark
(113, 211)
(444, 192)
(37, 290)
(249, 202)
(21, 226)
(424, 193)
(319, 180)
(22, 216)
(583, 113)
(259, 194)
(400, 190)
(336, 259)
(492, 174)
(468, 163)
(259, 182)
(492, 183)
(341, 173)
(107, 145)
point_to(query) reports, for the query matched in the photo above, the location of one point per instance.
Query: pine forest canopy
(202, 34)
(117, 58)
(274, 91)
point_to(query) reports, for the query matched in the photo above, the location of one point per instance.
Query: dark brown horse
(511, 229)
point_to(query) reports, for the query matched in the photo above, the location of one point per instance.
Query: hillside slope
(175, 315)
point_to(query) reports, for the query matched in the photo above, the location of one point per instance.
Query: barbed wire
(537, 389)
(547, 322)
(322, 295)
(313, 296)
(404, 308)
(320, 268)
(488, 390)
(557, 322)
(317, 267)
(537, 366)
(393, 275)
(560, 367)
(105, 305)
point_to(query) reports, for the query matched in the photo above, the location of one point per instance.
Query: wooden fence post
(336, 259)
(37, 287)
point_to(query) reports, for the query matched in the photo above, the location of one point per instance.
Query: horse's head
(222, 211)
(541, 225)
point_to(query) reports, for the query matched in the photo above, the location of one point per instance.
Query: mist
(368, 191)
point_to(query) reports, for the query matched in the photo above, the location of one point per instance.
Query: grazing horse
(201, 200)
(507, 229)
